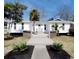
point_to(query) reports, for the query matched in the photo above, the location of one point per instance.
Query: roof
(49, 22)
(61, 22)
(41, 22)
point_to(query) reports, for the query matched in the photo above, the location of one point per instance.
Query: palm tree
(34, 16)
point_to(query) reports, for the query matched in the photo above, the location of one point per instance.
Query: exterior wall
(18, 28)
(41, 28)
(36, 28)
(52, 28)
(26, 27)
(65, 30)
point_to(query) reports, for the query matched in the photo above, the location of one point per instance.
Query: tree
(71, 18)
(18, 11)
(56, 26)
(14, 11)
(7, 10)
(51, 19)
(64, 12)
(34, 16)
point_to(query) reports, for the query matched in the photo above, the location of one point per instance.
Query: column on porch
(43, 30)
(31, 28)
(48, 25)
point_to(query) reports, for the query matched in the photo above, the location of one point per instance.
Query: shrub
(57, 46)
(20, 47)
(71, 29)
(71, 32)
(56, 26)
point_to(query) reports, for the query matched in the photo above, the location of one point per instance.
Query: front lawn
(8, 44)
(67, 41)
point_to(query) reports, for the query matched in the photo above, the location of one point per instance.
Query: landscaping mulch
(57, 54)
(25, 55)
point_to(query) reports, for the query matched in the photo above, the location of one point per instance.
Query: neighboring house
(62, 26)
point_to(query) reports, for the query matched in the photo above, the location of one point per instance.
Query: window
(44, 27)
(14, 25)
(39, 25)
(63, 26)
(22, 25)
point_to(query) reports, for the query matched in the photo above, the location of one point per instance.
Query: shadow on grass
(52, 35)
(58, 54)
(16, 55)
(8, 38)
(16, 34)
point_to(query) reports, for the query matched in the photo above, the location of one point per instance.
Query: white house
(40, 26)
(7, 25)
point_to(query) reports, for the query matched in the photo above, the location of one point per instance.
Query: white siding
(18, 28)
(66, 28)
(39, 28)
(52, 28)
(26, 27)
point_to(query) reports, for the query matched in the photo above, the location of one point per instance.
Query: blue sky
(47, 8)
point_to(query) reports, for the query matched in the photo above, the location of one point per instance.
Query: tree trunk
(34, 27)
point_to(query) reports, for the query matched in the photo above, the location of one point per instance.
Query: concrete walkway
(40, 39)
(40, 52)
(39, 42)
